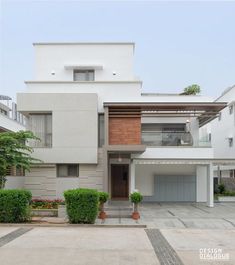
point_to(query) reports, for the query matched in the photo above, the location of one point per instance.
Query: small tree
(14, 152)
(192, 90)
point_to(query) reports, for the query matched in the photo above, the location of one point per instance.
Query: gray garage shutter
(175, 188)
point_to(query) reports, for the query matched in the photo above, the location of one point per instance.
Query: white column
(210, 186)
(132, 176)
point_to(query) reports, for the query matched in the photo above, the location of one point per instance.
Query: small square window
(67, 170)
(231, 109)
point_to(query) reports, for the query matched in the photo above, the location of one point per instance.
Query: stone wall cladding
(124, 131)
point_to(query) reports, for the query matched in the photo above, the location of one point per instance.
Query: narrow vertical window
(101, 130)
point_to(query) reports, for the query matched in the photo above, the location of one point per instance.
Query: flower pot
(102, 215)
(135, 215)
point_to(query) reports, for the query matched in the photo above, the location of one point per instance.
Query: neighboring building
(10, 118)
(223, 134)
(99, 131)
(11, 121)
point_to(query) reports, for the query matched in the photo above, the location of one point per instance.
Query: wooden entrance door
(119, 181)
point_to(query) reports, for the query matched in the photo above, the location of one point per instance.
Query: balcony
(167, 138)
(172, 138)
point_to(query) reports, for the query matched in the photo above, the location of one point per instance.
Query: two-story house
(98, 130)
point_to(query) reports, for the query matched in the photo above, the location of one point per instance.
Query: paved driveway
(188, 215)
(177, 234)
(78, 246)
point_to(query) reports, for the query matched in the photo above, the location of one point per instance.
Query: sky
(177, 43)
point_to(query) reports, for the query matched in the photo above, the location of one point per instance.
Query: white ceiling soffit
(74, 66)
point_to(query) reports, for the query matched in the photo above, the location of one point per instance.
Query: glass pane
(62, 171)
(90, 76)
(73, 170)
(79, 76)
(101, 130)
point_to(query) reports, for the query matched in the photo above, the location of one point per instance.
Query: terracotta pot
(135, 215)
(102, 215)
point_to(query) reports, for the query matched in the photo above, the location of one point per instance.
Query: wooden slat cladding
(125, 112)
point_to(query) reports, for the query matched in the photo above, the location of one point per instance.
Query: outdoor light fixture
(119, 158)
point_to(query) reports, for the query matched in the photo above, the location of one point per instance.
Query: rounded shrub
(136, 197)
(14, 206)
(103, 197)
(81, 205)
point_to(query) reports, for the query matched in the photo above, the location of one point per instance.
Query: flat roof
(84, 43)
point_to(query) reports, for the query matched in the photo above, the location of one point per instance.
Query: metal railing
(160, 138)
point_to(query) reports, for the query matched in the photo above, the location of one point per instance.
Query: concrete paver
(74, 245)
(188, 242)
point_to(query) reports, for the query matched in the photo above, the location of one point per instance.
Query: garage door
(175, 188)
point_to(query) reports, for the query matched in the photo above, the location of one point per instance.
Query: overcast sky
(177, 43)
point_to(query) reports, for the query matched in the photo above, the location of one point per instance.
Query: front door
(119, 181)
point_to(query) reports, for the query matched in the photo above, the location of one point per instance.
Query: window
(41, 126)
(220, 116)
(101, 130)
(67, 170)
(231, 109)
(83, 75)
(232, 173)
(230, 142)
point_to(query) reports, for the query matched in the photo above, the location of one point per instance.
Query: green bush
(221, 188)
(136, 197)
(228, 193)
(103, 196)
(14, 206)
(81, 205)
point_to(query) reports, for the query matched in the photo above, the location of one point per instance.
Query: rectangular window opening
(83, 75)
(67, 170)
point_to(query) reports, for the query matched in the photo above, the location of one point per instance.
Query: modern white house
(99, 130)
(222, 131)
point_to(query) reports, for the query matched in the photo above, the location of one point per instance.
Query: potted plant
(103, 197)
(136, 198)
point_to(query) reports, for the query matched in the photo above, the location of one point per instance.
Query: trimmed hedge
(81, 205)
(14, 206)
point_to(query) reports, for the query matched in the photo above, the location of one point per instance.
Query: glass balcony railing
(159, 138)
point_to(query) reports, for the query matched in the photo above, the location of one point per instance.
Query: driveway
(188, 215)
(176, 234)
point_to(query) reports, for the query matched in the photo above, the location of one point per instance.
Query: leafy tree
(14, 152)
(192, 90)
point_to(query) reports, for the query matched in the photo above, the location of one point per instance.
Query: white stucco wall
(116, 58)
(74, 125)
(201, 184)
(176, 152)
